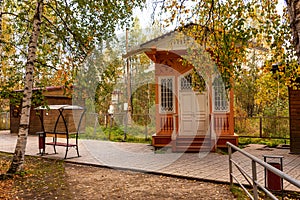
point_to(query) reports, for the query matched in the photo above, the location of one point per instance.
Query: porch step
(193, 144)
(193, 149)
(159, 141)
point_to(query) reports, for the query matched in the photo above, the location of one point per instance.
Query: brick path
(141, 157)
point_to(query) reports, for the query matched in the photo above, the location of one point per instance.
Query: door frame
(195, 131)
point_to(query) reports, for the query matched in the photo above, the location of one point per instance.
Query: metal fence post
(254, 178)
(6, 120)
(230, 167)
(260, 127)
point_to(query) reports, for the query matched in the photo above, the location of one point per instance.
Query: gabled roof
(168, 41)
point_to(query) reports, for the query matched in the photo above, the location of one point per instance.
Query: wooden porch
(169, 136)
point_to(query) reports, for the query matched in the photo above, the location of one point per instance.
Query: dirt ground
(86, 182)
(55, 179)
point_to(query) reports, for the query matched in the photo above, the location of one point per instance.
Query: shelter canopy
(58, 107)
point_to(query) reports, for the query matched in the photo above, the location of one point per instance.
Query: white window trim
(214, 103)
(173, 95)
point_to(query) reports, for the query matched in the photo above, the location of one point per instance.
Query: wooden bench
(67, 143)
(66, 135)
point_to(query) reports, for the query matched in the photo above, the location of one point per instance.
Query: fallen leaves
(41, 179)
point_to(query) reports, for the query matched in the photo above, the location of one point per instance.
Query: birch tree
(18, 158)
(294, 14)
(55, 36)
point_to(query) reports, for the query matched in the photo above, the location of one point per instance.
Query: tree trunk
(294, 12)
(18, 159)
(1, 10)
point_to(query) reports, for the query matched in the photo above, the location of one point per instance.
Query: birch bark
(18, 158)
(294, 12)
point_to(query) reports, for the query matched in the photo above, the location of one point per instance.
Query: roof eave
(137, 51)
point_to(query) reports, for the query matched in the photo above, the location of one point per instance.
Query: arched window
(186, 83)
(192, 81)
(220, 97)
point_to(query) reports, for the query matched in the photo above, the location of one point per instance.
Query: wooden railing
(167, 123)
(221, 123)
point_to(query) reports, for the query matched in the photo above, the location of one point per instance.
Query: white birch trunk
(294, 12)
(1, 10)
(18, 159)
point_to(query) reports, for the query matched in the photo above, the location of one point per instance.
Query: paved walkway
(141, 157)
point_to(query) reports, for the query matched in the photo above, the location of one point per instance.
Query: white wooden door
(193, 111)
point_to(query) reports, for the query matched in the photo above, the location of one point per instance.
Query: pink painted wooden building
(187, 119)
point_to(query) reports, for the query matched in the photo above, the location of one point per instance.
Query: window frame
(163, 111)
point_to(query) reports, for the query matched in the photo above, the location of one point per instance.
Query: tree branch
(45, 65)
(57, 30)
(68, 29)
(13, 14)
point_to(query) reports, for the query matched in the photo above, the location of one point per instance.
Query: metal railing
(252, 179)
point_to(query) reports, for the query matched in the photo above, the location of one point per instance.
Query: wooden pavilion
(187, 119)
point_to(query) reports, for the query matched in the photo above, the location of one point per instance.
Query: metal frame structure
(252, 180)
(58, 134)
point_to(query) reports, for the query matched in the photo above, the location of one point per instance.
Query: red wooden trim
(231, 116)
(60, 144)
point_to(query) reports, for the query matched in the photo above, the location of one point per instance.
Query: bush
(116, 133)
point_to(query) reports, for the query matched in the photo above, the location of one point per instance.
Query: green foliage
(116, 134)
(142, 87)
(98, 76)
(142, 100)
(198, 83)
(270, 127)
(238, 193)
(246, 88)
(69, 31)
(108, 80)
(104, 74)
(271, 96)
(258, 93)
(268, 142)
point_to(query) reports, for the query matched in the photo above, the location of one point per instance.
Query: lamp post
(275, 69)
(111, 117)
(126, 121)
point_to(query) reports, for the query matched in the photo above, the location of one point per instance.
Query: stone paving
(202, 166)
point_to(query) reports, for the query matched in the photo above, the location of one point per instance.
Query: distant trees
(142, 96)
(258, 92)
